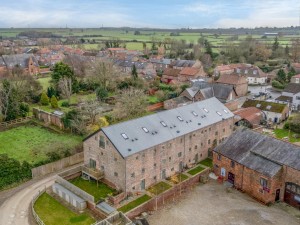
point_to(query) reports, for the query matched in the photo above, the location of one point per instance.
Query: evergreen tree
(101, 93)
(208, 49)
(54, 102)
(50, 92)
(281, 76)
(134, 72)
(44, 99)
(275, 45)
(287, 50)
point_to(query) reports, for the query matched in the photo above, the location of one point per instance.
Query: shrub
(44, 99)
(65, 104)
(54, 103)
(277, 84)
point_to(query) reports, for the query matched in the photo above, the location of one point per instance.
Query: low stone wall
(115, 200)
(58, 165)
(168, 195)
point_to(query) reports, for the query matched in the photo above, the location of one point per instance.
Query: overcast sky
(153, 13)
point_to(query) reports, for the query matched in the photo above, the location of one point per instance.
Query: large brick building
(264, 167)
(138, 153)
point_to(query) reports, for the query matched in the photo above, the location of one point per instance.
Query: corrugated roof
(136, 139)
(245, 143)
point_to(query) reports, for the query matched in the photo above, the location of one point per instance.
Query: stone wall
(48, 118)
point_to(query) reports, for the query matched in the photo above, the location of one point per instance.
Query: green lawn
(178, 178)
(53, 213)
(45, 82)
(196, 170)
(100, 192)
(281, 133)
(152, 99)
(207, 162)
(31, 143)
(135, 203)
(159, 188)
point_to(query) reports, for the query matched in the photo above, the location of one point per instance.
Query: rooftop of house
(18, 59)
(208, 90)
(260, 152)
(136, 135)
(265, 106)
(249, 71)
(232, 79)
(183, 63)
(297, 65)
(251, 114)
(292, 88)
(296, 76)
(171, 72)
(189, 71)
(283, 98)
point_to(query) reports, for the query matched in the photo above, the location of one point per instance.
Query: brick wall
(48, 118)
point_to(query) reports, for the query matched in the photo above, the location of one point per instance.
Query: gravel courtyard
(212, 204)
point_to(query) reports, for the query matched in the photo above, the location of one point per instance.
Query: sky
(149, 13)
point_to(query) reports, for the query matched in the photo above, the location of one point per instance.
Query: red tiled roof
(189, 71)
(251, 114)
(296, 64)
(297, 76)
(232, 79)
(171, 72)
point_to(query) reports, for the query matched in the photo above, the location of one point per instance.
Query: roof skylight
(205, 110)
(163, 123)
(179, 117)
(194, 113)
(145, 129)
(125, 136)
(219, 113)
(225, 111)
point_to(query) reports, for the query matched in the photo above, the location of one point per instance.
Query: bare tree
(132, 103)
(65, 86)
(77, 64)
(90, 110)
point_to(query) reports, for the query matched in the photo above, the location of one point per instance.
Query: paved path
(15, 203)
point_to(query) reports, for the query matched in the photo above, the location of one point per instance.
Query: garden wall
(58, 165)
(155, 106)
(168, 195)
(48, 118)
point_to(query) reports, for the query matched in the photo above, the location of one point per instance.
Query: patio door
(143, 184)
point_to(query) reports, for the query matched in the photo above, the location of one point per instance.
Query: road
(14, 211)
(15, 203)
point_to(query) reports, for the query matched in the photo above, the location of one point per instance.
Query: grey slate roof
(260, 152)
(292, 88)
(183, 63)
(138, 140)
(18, 59)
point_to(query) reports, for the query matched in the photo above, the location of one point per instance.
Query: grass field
(207, 162)
(159, 188)
(133, 204)
(53, 213)
(100, 192)
(282, 133)
(196, 170)
(45, 82)
(31, 143)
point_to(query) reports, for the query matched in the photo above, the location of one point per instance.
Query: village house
(238, 81)
(290, 95)
(250, 117)
(262, 166)
(225, 69)
(139, 153)
(295, 79)
(296, 67)
(170, 75)
(201, 91)
(273, 112)
(27, 62)
(160, 64)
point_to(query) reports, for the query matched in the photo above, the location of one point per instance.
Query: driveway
(213, 204)
(15, 204)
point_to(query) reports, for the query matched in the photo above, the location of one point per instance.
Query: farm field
(31, 143)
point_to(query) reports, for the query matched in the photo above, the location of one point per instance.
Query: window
(172, 169)
(154, 177)
(263, 182)
(209, 129)
(216, 133)
(116, 174)
(145, 129)
(201, 144)
(170, 159)
(115, 159)
(219, 157)
(143, 170)
(190, 136)
(196, 146)
(298, 97)
(96, 138)
(89, 148)
(180, 140)
(190, 149)
(223, 130)
(154, 165)
(102, 142)
(101, 153)
(92, 163)
(137, 157)
(102, 168)
(208, 141)
(143, 155)
(219, 113)
(133, 175)
(179, 154)
(232, 163)
(163, 123)
(180, 119)
(125, 136)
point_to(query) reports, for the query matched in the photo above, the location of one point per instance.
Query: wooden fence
(58, 165)
(16, 121)
(156, 106)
